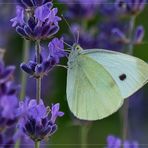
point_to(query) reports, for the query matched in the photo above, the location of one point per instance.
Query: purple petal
(26, 68)
(119, 35)
(42, 12)
(139, 34)
(21, 31)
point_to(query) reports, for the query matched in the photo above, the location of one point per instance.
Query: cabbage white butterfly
(99, 80)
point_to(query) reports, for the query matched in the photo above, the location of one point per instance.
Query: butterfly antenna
(67, 44)
(69, 27)
(78, 36)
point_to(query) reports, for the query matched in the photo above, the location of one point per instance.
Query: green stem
(84, 135)
(23, 74)
(37, 144)
(131, 30)
(126, 103)
(38, 80)
(38, 90)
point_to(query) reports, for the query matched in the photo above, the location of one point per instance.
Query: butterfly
(99, 80)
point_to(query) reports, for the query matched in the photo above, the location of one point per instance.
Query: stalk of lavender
(37, 144)
(37, 20)
(84, 129)
(38, 80)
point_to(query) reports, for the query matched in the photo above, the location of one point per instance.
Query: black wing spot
(122, 77)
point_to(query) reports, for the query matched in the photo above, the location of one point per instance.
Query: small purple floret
(139, 35)
(19, 19)
(56, 49)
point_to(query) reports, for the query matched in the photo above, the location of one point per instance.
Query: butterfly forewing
(92, 93)
(129, 73)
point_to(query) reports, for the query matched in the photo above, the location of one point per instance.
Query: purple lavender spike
(34, 120)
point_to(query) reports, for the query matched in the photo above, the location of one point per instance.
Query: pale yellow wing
(130, 73)
(91, 92)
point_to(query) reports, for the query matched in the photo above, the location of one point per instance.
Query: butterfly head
(77, 47)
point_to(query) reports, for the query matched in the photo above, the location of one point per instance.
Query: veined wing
(130, 73)
(91, 92)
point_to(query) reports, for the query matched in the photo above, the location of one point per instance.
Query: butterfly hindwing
(129, 73)
(91, 92)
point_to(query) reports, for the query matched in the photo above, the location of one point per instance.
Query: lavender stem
(38, 80)
(126, 103)
(37, 144)
(24, 75)
(84, 135)
(131, 29)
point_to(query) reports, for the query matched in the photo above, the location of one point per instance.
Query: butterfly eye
(77, 48)
(122, 77)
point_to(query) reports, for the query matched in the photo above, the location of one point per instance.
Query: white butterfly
(99, 80)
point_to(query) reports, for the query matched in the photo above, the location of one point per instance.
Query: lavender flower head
(47, 62)
(8, 106)
(114, 142)
(38, 23)
(38, 121)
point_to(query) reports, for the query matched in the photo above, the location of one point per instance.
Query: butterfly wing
(91, 92)
(130, 73)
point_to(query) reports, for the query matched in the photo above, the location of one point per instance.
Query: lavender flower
(136, 38)
(120, 36)
(8, 106)
(139, 35)
(19, 19)
(32, 3)
(56, 51)
(81, 9)
(8, 99)
(132, 7)
(6, 138)
(40, 24)
(37, 121)
(55, 112)
(5, 73)
(114, 142)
